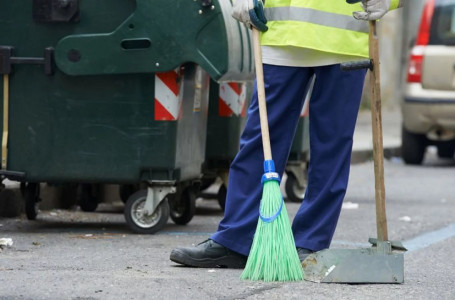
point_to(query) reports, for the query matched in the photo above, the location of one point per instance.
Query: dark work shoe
(208, 254)
(303, 253)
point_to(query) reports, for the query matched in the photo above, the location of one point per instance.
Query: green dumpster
(114, 91)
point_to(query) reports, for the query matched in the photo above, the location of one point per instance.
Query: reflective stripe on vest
(316, 17)
(316, 29)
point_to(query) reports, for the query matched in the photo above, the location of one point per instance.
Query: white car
(428, 105)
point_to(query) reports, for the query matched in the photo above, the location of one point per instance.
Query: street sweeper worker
(300, 38)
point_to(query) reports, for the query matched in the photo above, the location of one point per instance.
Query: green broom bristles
(273, 255)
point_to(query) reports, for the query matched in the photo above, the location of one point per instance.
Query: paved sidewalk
(363, 141)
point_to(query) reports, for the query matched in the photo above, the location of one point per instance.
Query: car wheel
(446, 150)
(413, 147)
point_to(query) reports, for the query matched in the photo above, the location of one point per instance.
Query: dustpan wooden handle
(378, 150)
(261, 95)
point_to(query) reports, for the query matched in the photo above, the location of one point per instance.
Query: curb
(363, 155)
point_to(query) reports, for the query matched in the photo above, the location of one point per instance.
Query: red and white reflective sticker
(168, 95)
(232, 99)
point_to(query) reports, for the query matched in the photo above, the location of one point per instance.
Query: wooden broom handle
(261, 95)
(378, 150)
(5, 121)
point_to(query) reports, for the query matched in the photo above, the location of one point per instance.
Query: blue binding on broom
(273, 255)
(269, 175)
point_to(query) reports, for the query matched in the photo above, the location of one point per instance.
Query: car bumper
(429, 112)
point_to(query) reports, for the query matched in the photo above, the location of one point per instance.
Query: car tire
(446, 150)
(413, 147)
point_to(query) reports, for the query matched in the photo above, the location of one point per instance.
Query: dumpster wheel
(138, 221)
(183, 208)
(126, 190)
(88, 197)
(221, 196)
(293, 189)
(30, 193)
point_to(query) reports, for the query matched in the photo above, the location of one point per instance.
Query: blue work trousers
(333, 110)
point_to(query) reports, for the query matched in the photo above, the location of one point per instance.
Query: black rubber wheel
(10, 207)
(446, 150)
(88, 197)
(413, 147)
(126, 190)
(206, 182)
(183, 208)
(137, 221)
(294, 192)
(68, 196)
(221, 196)
(30, 192)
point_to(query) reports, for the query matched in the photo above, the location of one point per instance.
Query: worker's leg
(334, 106)
(285, 93)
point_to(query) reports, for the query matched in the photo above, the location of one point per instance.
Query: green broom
(273, 255)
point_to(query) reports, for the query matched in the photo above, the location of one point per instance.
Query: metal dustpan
(378, 264)
(367, 265)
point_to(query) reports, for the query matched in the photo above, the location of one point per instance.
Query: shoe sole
(221, 262)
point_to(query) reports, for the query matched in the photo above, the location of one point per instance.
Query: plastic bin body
(80, 133)
(101, 127)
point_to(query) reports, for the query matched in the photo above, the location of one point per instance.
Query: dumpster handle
(5, 120)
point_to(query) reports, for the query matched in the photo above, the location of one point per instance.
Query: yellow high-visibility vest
(322, 25)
